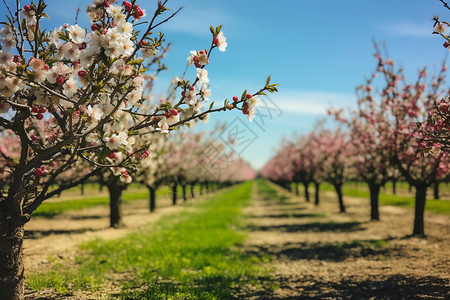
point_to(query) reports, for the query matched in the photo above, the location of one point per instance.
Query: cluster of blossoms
(81, 94)
(75, 94)
(437, 139)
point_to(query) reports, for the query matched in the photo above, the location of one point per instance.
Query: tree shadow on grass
(313, 226)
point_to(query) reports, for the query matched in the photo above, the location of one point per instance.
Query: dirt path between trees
(318, 253)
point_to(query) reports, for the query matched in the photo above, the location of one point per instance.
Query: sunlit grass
(191, 255)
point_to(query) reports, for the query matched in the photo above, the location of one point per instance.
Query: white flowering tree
(74, 94)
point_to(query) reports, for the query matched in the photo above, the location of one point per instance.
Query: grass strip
(189, 255)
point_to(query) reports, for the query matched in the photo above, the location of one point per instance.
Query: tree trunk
(288, 186)
(82, 189)
(338, 188)
(421, 194)
(192, 191)
(183, 186)
(296, 189)
(201, 189)
(436, 190)
(410, 188)
(115, 204)
(305, 184)
(374, 189)
(11, 256)
(317, 186)
(174, 194)
(152, 198)
(394, 186)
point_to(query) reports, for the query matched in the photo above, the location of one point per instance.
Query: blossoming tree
(87, 85)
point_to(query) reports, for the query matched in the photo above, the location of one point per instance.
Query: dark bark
(374, 189)
(296, 189)
(11, 256)
(305, 184)
(201, 188)
(115, 204)
(152, 203)
(338, 188)
(394, 186)
(82, 189)
(183, 187)
(421, 194)
(436, 190)
(316, 198)
(174, 194)
(288, 186)
(410, 188)
(192, 190)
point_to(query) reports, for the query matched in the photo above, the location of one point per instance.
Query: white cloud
(312, 102)
(407, 29)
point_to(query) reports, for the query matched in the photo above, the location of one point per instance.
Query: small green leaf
(211, 105)
(243, 95)
(105, 152)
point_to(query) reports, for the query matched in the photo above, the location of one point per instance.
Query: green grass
(432, 205)
(51, 209)
(268, 192)
(191, 255)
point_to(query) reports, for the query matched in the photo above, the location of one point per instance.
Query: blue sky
(318, 51)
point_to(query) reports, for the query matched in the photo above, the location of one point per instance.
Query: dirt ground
(318, 253)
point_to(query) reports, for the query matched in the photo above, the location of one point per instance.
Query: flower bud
(127, 5)
(82, 73)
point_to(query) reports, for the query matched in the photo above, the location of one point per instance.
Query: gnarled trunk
(316, 198)
(419, 209)
(11, 256)
(338, 188)
(374, 189)
(305, 184)
(115, 204)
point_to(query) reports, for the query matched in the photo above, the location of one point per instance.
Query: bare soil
(315, 252)
(49, 241)
(318, 253)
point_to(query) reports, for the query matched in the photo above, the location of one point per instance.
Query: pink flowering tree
(87, 85)
(370, 140)
(406, 105)
(335, 149)
(437, 138)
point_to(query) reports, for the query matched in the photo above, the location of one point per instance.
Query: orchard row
(390, 136)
